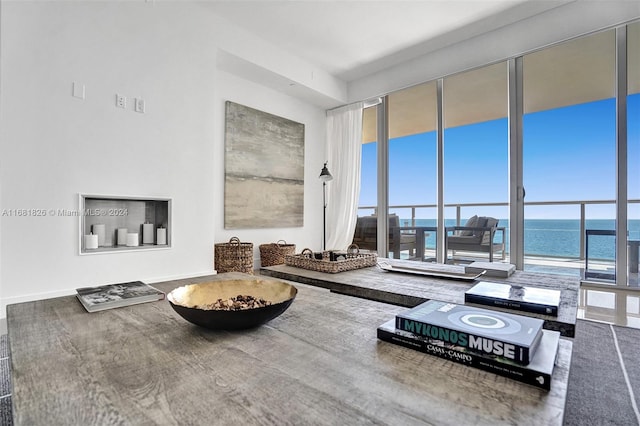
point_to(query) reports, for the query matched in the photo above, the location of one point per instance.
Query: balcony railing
(459, 206)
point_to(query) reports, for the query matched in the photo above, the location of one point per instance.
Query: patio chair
(366, 236)
(477, 235)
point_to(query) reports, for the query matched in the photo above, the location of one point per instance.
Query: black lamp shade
(325, 176)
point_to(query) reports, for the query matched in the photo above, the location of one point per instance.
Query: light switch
(139, 105)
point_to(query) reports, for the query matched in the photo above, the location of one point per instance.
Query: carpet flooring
(604, 380)
(5, 383)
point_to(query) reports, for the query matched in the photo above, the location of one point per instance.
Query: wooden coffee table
(318, 363)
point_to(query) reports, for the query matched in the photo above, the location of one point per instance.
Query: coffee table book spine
(511, 304)
(521, 354)
(510, 371)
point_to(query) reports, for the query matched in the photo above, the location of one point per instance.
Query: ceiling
(571, 73)
(352, 39)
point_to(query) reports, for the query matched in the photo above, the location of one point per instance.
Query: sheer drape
(344, 153)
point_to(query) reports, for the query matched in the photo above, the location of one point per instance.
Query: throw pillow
(471, 223)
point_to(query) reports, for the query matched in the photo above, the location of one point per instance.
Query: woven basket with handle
(353, 259)
(273, 253)
(234, 256)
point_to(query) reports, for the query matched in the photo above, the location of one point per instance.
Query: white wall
(54, 146)
(232, 88)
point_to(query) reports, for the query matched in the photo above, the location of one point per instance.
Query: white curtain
(344, 153)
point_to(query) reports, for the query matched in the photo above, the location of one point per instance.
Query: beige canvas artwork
(264, 170)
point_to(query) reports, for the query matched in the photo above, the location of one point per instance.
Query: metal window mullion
(441, 253)
(516, 184)
(383, 176)
(621, 157)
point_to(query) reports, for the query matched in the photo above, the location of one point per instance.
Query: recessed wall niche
(120, 223)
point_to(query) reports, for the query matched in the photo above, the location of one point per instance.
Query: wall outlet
(121, 101)
(139, 105)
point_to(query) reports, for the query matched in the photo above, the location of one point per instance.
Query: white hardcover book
(117, 295)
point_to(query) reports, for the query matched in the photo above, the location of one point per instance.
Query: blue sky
(569, 154)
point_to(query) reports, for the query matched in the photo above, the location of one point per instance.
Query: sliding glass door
(569, 156)
(476, 152)
(412, 172)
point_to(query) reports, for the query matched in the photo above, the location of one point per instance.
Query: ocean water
(553, 237)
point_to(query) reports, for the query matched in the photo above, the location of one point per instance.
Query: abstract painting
(264, 170)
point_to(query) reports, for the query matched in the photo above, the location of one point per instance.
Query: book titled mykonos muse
(117, 295)
(483, 331)
(537, 373)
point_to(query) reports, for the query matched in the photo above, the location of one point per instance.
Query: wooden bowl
(185, 300)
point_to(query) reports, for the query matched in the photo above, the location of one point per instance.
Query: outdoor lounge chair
(366, 236)
(477, 235)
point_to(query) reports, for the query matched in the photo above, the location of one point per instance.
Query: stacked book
(512, 296)
(111, 296)
(510, 345)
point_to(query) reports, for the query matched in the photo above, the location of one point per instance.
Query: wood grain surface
(318, 363)
(410, 290)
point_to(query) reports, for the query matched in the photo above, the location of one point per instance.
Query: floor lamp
(325, 177)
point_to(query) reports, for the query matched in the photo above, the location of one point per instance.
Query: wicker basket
(353, 260)
(234, 256)
(274, 253)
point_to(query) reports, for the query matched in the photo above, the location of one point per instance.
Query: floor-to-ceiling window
(366, 228)
(569, 154)
(620, 306)
(412, 169)
(476, 147)
(369, 172)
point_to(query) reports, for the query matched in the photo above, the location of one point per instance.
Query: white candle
(98, 229)
(90, 242)
(122, 236)
(161, 236)
(147, 233)
(133, 240)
